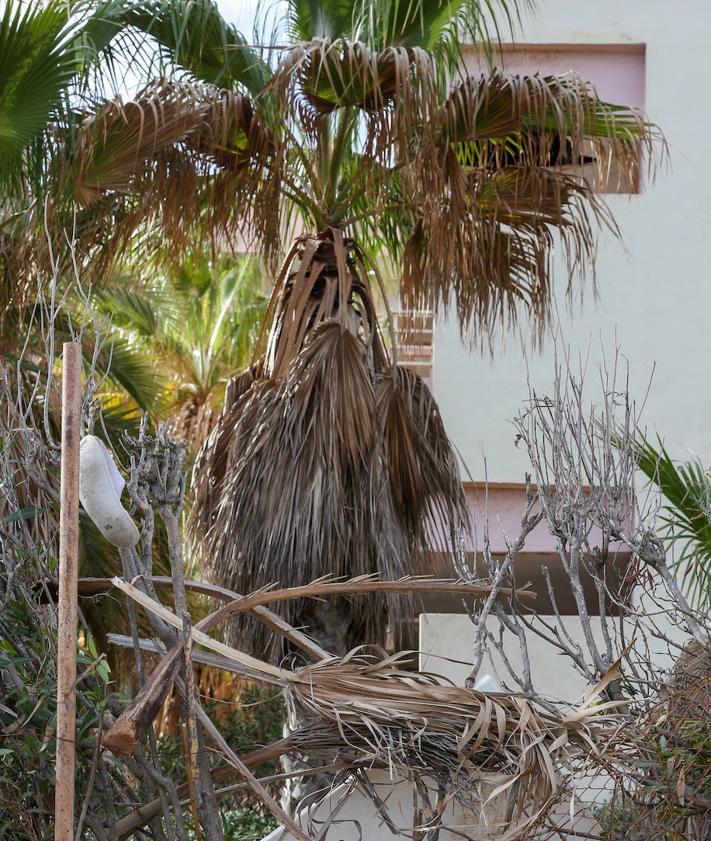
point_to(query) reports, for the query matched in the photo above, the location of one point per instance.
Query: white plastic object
(100, 486)
(488, 683)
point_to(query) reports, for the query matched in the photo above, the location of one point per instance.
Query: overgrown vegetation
(353, 139)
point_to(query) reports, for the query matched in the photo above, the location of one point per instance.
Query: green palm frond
(308, 19)
(438, 25)
(134, 311)
(432, 25)
(687, 519)
(180, 335)
(129, 368)
(47, 51)
(196, 37)
(36, 65)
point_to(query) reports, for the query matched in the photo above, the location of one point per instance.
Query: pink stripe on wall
(502, 506)
(615, 70)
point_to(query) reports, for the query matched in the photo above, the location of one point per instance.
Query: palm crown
(363, 119)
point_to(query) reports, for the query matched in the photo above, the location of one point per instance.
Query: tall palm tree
(354, 133)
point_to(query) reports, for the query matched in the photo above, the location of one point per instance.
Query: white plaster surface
(446, 642)
(654, 288)
(356, 819)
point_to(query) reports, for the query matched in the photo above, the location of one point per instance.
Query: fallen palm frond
(493, 752)
(125, 733)
(324, 587)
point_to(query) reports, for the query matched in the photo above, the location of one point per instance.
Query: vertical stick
(68, 574)
(190, 771)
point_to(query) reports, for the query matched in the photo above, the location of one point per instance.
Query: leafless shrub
(583, 489)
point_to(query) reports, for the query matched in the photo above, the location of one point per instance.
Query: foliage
(364, 121)
(50, 53)
(27, 715)
(195, 324)
(670, 789)
(687, 514)
(28, 558)
(251, 717)
(360, 125)
(242, 825)
(43, 49)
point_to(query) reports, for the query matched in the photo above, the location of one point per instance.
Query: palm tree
(354, 135)
(50, 53)
(196, 323)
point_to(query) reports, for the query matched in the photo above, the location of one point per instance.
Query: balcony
(414, 330)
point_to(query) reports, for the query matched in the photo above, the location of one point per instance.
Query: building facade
(653, 293)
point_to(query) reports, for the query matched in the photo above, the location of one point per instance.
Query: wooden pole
(67, 596)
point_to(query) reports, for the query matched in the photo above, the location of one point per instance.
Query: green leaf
(91, 645)
(103, 670)
(438, 26)
(687, 520)
(22, 514)
(35, 68)
(197, 37)
(309, 19)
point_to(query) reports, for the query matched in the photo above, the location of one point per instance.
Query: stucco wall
(357, 819)
(446, 648)
(655, 298)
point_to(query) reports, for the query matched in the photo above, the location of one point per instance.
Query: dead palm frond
(333, 461)
(495, 751)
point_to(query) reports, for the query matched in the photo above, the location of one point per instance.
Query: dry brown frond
(330, 73)
(474, 180)
(495, 177)
(495, 750)
(489, 259)
(114, 144)
(308, 472)
(212, 462)
(188, 160)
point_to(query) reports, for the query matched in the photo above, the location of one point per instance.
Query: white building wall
(654, 288)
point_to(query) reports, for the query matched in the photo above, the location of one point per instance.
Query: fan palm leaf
(191, 327)
(686, 487)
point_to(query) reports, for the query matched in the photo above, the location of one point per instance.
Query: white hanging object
(100, 486)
